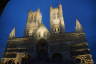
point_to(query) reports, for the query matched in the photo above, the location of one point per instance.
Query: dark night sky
(15, 15)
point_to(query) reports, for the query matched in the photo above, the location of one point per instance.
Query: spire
(78, 26)
(12, 34)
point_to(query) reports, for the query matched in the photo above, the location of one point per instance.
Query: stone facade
(52, 45)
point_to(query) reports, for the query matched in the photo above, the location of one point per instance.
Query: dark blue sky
(15, 15)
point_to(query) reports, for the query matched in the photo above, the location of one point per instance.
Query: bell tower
(56, 19)
(33, 22)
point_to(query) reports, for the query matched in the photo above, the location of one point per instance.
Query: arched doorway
(57, 57)
(42, 49)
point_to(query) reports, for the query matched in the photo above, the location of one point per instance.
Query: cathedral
(40, 45)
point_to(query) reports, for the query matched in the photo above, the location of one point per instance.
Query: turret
(61, 18)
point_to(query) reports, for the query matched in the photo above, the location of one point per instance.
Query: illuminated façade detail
(78, 26)
(33, 22)
(56, 19)
(12, 33)
(42, 32)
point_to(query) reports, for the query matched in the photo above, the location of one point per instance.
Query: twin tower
(35, 26)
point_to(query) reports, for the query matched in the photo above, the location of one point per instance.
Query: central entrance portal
(42, 49)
